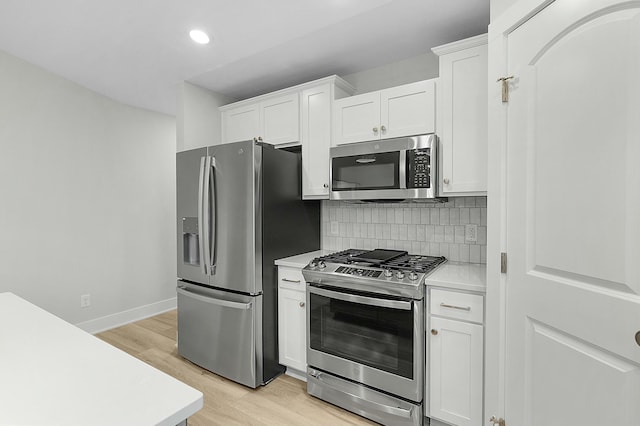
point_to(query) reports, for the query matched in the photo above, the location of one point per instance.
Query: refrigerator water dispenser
(190, 241)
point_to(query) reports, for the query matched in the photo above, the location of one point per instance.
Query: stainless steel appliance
(366, 333)
(402, 168)
(239, 208)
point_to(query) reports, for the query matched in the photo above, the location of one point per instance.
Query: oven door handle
(363, 300)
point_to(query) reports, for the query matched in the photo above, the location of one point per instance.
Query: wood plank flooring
(282, 402)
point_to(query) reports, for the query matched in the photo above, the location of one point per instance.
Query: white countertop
(302, 260)
(460, 276)
(53, 373)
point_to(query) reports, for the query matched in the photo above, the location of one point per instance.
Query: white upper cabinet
(399, 111)
(316, 134)
(241, 124)
(280, 120)
(463, 117)
(275, 120)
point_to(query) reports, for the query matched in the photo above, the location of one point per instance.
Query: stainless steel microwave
(389, 169)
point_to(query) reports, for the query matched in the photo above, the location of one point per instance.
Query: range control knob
(400, 275)
(388, 273)
(413, 276)
(359, 271)
(313, 263)
(321, 265)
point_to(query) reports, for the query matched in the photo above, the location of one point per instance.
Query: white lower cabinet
(455, 361)
(292, 328)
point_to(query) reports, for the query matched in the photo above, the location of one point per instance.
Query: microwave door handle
(403, 169)
(214, 222)
(206, 213)
(201, 216)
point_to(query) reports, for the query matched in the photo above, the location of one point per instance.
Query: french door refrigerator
(239, 207)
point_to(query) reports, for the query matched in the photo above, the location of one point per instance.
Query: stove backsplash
(419, 228)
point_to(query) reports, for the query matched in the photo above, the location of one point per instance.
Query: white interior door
(573, 216)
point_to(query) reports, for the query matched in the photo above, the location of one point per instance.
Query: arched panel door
(573, 216)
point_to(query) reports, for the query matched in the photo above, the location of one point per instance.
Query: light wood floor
(282, 402)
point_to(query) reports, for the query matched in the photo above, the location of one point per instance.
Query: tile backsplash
(436, 229)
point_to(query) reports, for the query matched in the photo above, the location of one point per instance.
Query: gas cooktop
(392, 272)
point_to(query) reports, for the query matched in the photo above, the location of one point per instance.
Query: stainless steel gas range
(365, 332)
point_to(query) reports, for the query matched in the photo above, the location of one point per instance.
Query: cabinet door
(455, 367)
(357, 118)
(292, 333)
(408, 110)
(316, 139)
(241, 124)
(280, 120)
(463, 113)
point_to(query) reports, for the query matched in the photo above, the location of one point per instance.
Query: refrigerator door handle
(213, 301)
(206, 213)
(201, 217)
(214, 222)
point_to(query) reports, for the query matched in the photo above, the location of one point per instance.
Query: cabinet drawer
(463, 306)
(291, 278)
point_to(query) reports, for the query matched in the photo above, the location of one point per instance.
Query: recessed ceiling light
(199, 36)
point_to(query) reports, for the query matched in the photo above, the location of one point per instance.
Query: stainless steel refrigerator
(239, 207)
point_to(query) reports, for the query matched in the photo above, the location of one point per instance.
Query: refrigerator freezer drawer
(217, 331)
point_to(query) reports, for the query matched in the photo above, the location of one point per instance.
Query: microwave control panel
(419, 168)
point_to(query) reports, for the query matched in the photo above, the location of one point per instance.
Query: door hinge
(505, 87)
(503, 262)
(496, 421)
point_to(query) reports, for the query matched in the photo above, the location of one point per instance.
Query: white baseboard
(300, 375)
(125, 317)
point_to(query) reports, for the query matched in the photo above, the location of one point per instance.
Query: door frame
(496, 300)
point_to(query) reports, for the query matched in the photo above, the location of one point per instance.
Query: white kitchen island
(53, 373)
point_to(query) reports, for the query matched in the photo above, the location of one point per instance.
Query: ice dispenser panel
(190, 241)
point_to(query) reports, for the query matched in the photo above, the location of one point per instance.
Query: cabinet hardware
(383, 128)
(302, 304)
(326, 185)
(446, 181)
(462, 308)
(497, 421)
(434, 331)
(505, 87)
(638, 338)
(291, 281)
(375, 130)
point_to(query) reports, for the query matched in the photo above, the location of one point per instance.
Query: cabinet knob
(375, 130)
(383, 128)
(326, 185)
(302, 304)
(446, 181)
(497, 421)
(259, 138)
(434, 331)
(638, 338)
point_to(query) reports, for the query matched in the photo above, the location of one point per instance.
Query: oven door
(366, 338)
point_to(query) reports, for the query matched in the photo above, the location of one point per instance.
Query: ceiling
(139, 51)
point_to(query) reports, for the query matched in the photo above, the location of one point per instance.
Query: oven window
(371, 171)
(375, 336)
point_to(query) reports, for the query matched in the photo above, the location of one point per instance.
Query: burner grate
(408, 262)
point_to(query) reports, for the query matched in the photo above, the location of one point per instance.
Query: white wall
(198, 119)
(496, 7)
(421, 67)
(87, 199)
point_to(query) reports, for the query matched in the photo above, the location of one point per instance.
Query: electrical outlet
(470, 233)
(85, 300)
(335, 229)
